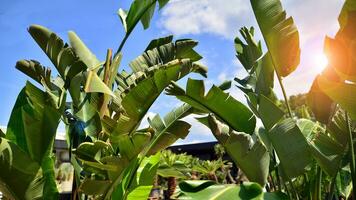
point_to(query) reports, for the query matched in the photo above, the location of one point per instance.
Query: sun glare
(321, 61)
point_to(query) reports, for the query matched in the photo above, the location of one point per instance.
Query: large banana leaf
(250, 156)
(210, 190)
(321, 105)
(82, 51)
(16, 177)
(291, 147)
(31, 132)
(340, 51)
(280, 34)
(216, 101)
(340, 92)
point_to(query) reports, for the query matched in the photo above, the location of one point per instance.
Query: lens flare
(321, 62)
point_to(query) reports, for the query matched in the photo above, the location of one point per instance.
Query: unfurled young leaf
(260, 78)
(248, 53)
(95, 85)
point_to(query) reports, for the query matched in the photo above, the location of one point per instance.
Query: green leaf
(340, 92)
(141, 183)
(329, 146)
(159, 42)
(209, 190)
(224, 106)
(32, 128)
(93, 151)
(181, 49)
(280, 34)
(50, 190)
(82, 51)
(170, 129)
(269, 112)
(344, 183)
(61, 55)
(260, 78)
(36, 71)
(248, 53)
(33, 122)
(12, 165)
(94, 187)
(137, 92)
(141, 192)
(251, 157)
(140, 10)
(94, 84)
(221, 192)
(321, 105)
(291, 147)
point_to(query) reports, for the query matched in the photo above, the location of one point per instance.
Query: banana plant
(27, 164)
(335, 88)
(173, 167)
(112, 158)
(235, 128)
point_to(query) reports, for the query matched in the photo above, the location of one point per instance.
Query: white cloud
(314, 20)
(204, 16)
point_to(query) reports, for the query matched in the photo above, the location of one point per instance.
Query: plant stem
(307, 185)
(352, 161)
(284, 94)
(294, 190)
(287, 190)
(153, 3)
(276, 171)
(122, 43)
(332, 187)
(317, 184)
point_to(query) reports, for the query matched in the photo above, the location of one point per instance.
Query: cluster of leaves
(287, 152)
(111, 157)
(114, 159)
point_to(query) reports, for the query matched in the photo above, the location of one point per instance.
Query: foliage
(308, 155)
(111, 157)
(291, 151)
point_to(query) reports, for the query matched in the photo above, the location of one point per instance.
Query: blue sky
(213, 23)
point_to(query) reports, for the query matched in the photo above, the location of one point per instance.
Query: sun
(320, 62)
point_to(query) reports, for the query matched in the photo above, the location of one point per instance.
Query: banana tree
(335, 88)
(172, 167)
(112, 158)
(282, 143)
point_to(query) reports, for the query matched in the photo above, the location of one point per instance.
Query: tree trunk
(172, 184)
